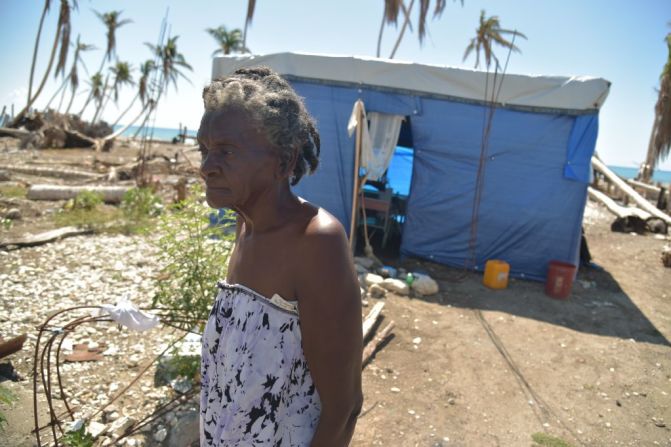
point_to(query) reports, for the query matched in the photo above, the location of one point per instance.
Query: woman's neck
(269, 211)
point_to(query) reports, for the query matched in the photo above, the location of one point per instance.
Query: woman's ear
(287, 164)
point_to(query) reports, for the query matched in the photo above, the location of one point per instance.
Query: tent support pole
(355, 187)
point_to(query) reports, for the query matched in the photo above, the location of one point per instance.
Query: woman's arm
(330, 318)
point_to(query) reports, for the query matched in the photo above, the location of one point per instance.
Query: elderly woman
(281, 360)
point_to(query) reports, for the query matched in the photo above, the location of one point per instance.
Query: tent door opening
(384, 200)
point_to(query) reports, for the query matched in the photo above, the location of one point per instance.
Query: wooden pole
(629, 191)
(371, 319)
(357, 162)
(613, 207)
(375, 343)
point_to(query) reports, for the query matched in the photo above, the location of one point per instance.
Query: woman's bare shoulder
(320, 231)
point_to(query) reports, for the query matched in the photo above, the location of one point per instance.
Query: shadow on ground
(597, 305)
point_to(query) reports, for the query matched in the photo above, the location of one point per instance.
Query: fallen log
(629, 191)
(619, 210)
(74, 138)
(376, 342)
(371, 319)
(12, 345)
(16, 133)
(644, 186)
(110, 194)
(32, 240)
(43, 171)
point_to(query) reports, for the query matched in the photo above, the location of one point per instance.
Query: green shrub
(16, 191)
(6, 223)
(545, 440)
(99, 219)
(78, 438)
(193, 256)
(7, 398)
(140, 203)
(87, 200)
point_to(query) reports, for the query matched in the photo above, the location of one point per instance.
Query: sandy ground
(475, 367)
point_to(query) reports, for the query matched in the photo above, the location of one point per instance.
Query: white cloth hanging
(126, 314)
(378, 139)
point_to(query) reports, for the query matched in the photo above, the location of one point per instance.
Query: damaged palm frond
(228, 41)
(112, 22)
(392, 9)
(489, 32)
(659, 146)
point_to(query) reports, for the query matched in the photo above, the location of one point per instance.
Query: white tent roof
(576, 93)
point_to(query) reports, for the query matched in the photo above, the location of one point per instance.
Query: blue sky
(619, 40)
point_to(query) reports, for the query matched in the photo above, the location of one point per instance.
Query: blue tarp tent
(532, 185)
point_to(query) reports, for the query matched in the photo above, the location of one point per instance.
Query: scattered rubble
(666, 256)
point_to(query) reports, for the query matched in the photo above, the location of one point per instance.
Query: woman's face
(239, 163)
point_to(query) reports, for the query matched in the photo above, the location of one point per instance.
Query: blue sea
(657, 176)
(159, 133)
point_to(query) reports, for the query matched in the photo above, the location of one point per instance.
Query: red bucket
(559, 281)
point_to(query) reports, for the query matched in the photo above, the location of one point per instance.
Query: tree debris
(43, 238)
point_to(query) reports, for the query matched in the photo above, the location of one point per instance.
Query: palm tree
(228, 41)
(47, 5)
(146, 70)
(392, 8)
(488, 33)
(660, 137)
(122, 76)
(62, 38)
(170, 60)
(251, 4)
(95, 90)
(72, 77)
(112, 23)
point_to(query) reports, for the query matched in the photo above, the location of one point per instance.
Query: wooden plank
(374, 344)
(355, 186)
(371, 319)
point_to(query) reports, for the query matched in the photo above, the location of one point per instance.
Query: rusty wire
(42, 374)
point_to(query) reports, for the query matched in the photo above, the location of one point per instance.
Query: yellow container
(496, 274)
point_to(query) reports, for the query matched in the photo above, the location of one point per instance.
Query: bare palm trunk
(72, 100)
(62, 86)
(86, 104)
(37, 44)
(60, 103)
(144, 123)
(405, 25)
(25, 110)
(127, 126)
(102, 102)
(126, 111)
(104, 106)
(646, 171)
(379, 36)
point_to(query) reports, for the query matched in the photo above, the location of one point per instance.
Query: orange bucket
(496, 274)
(559, 281)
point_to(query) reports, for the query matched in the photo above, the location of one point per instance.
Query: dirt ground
(472, 366)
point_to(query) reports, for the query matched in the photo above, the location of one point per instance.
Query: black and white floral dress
(256, 386)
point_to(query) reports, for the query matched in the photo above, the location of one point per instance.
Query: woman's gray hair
(270, 100)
